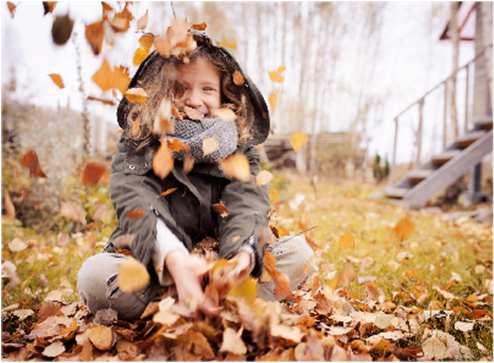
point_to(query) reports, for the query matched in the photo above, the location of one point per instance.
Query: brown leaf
(273, 100)
(199, 26)
(142, 23)
(232, 342)
(62, 29)
(127, 350)
(238, 78)
(30, 160)
(132, 275)
(95, 33)
(137, 96)
(196, 342)
(404, 228)
(121, 21)
(57, 79)
(73, 211)
(176, 40)
(276, 75)
(298, 140)
(54, 349)
(163, 160)
(11, 7)
(136, 213)
(93, 173)
(236, 166)
(146, 40)
(48, 309)
(221, 209)
(49, 6)
(101, 336)
(106, 9)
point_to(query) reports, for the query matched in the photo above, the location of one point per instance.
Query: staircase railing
(443, 86)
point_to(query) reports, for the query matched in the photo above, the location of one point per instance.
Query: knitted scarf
(193, 133)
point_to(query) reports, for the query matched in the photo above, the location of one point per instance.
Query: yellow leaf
(273, 100)
(57, 79)
(209, 145)
(232, 342)
(224, 114)
(298, 140)
(236, 166)
(132, 276)
(246, 290)
(264, 177)
(120, 79)
(276, 75)
(139, 55)
(146, 40)
(347, 241)
(136, 95)
(404, 228)
(163, 160)
(103, 77)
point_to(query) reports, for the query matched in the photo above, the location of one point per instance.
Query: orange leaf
(146, 40)
(221, 209)
(136, 95)
(273, 99)
(276, 75)
(168, 192)
(238, 78)
(177, 145)
(163, 160)
(95, 33)
(93, 173)
(57, 79)
(199, 26)
(139, 55)
(347, 241)
(120, 79)
(298, 140)
(30, 160)
(404, 228)
(236, 166)
(189, 162)
(142, 23)
(11, 6)
(121, 21)
(106, 9)
(136, 213)
(103, 77)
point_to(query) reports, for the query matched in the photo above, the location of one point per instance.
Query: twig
(299, 233)
(173, 9)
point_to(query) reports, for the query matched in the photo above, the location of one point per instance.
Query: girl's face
(199, 84)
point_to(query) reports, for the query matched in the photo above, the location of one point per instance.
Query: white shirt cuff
(165, 243)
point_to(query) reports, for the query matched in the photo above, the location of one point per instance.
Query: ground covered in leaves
(392, 285)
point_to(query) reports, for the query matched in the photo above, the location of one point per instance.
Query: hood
(255, 122)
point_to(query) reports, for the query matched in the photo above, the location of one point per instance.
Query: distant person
(163, 237)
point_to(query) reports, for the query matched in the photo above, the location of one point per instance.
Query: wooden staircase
(458, 159)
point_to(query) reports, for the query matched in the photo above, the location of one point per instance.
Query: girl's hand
(187, 271)
(243, 267)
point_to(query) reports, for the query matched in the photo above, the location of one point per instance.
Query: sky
(413, 61)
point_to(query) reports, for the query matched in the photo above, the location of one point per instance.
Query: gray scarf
(193, 133)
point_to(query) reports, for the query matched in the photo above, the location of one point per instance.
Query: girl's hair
(158, 79)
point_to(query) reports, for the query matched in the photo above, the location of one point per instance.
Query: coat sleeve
(135, 194)
(248, 207)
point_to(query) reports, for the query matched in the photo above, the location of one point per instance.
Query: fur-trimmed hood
(153, 75)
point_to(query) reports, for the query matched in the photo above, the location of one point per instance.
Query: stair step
(443, 158)
(483, 125)
(466, 140)
(395, 192)
(419, 174)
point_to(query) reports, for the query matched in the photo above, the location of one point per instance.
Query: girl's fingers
(208, 307)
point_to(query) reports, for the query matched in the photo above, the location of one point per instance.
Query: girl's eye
(209, 89)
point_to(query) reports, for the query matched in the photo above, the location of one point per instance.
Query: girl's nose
(192, 98)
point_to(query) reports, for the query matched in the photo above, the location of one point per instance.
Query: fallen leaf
(404, 228)
(95, 33)
(136, 95)
(17, 245)
(22, 314)
(238, 78)
(132, 275)
(127, 350)
(73, 211)
(93, 173)
(11, 7)
(236, 166)
(142, 23)
(54, 349)
(273, 100)
(382, 320)
(163, 160)
(298, 140)
(101, 336)
(30, 160)
(276, 75)
(220, 208)
(146, 40)
(287, 332)
(199, 26)
(224, 114)
(434, 348)
(264, 177)
(165, 315)
(232, 342)
(464, 326)
(246, 290)
(57, 79)
(209, 145)
(347, 241)
(139, 55)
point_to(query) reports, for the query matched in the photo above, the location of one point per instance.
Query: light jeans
(97, 278)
